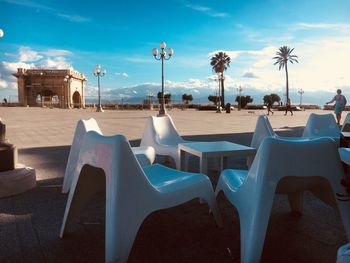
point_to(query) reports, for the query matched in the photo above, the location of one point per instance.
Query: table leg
(224, 162)
(203, 165)
(183, 161)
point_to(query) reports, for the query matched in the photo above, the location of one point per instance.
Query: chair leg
(121, 229)
(214, 209)
(81, 193)
(211, 200)
(296, 201)
(254, 224)
(219, 186)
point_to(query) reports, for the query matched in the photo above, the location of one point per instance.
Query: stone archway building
(63, 88)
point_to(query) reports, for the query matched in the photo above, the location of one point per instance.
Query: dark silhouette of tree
(220, 62)
(275, 98)
(284, 54)
(187, 98)
(214, 99)
(272, 98)
(244, 100)
(267, 99)
(167, 98)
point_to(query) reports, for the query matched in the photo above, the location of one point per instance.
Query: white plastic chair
(321, 125)
(145, 155)
(132, 193)
(283, 167)
(262, 130)
(343, 254)
(161, 134)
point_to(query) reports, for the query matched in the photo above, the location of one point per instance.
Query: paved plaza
(30, 222)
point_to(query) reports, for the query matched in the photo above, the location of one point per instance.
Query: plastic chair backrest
(160, 130)
(166, 130)
(277, 158)
(114, 155)
(83, 126)
(321, 125)
(263, 129)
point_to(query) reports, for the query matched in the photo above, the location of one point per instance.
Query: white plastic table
(205, 150)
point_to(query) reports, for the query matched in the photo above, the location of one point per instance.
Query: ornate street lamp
(162, 57)
(1, 33)
(65, 80)
(239, 89)
(301, 92)
(98, 73)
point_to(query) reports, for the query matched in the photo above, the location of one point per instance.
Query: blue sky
(120, 35)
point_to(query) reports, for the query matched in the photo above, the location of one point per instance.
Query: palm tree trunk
(222, 91)
(287, 84)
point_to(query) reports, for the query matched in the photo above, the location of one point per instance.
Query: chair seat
(166, 179)
(234, 178)
(344, 155)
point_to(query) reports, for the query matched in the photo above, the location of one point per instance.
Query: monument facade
(63, 88)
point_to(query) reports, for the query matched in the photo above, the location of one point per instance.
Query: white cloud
(30, 4)
(207, 10)
(54, 63)
(266, 52)
(73, 18)
(28, 58)
(230, 53)
(324, 63)
(56, 52)
(49, 9)
(139, 59)
(325, 26)
(3, 83)
(250, 75)
(7, 80)
(122, 74)
(189, 84)
(26, 54)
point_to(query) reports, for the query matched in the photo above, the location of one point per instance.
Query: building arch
(76, 100)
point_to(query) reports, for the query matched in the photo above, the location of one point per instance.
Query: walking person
(340, 102)
(288, 107)
(269, 106)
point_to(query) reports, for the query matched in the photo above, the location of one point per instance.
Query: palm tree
(283, 56)
(220, 62)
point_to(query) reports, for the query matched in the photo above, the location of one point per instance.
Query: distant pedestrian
(289, 107)
(340, 102)
(269, 106)
(5, 100)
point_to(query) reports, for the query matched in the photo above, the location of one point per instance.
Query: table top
(216, 148)
(345, 134)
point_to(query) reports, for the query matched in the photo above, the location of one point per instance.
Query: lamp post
(98, 73)
(239, 89)
(150, 96)
(65, 79)
(162, 57)
(301, 92)
(218, 100)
